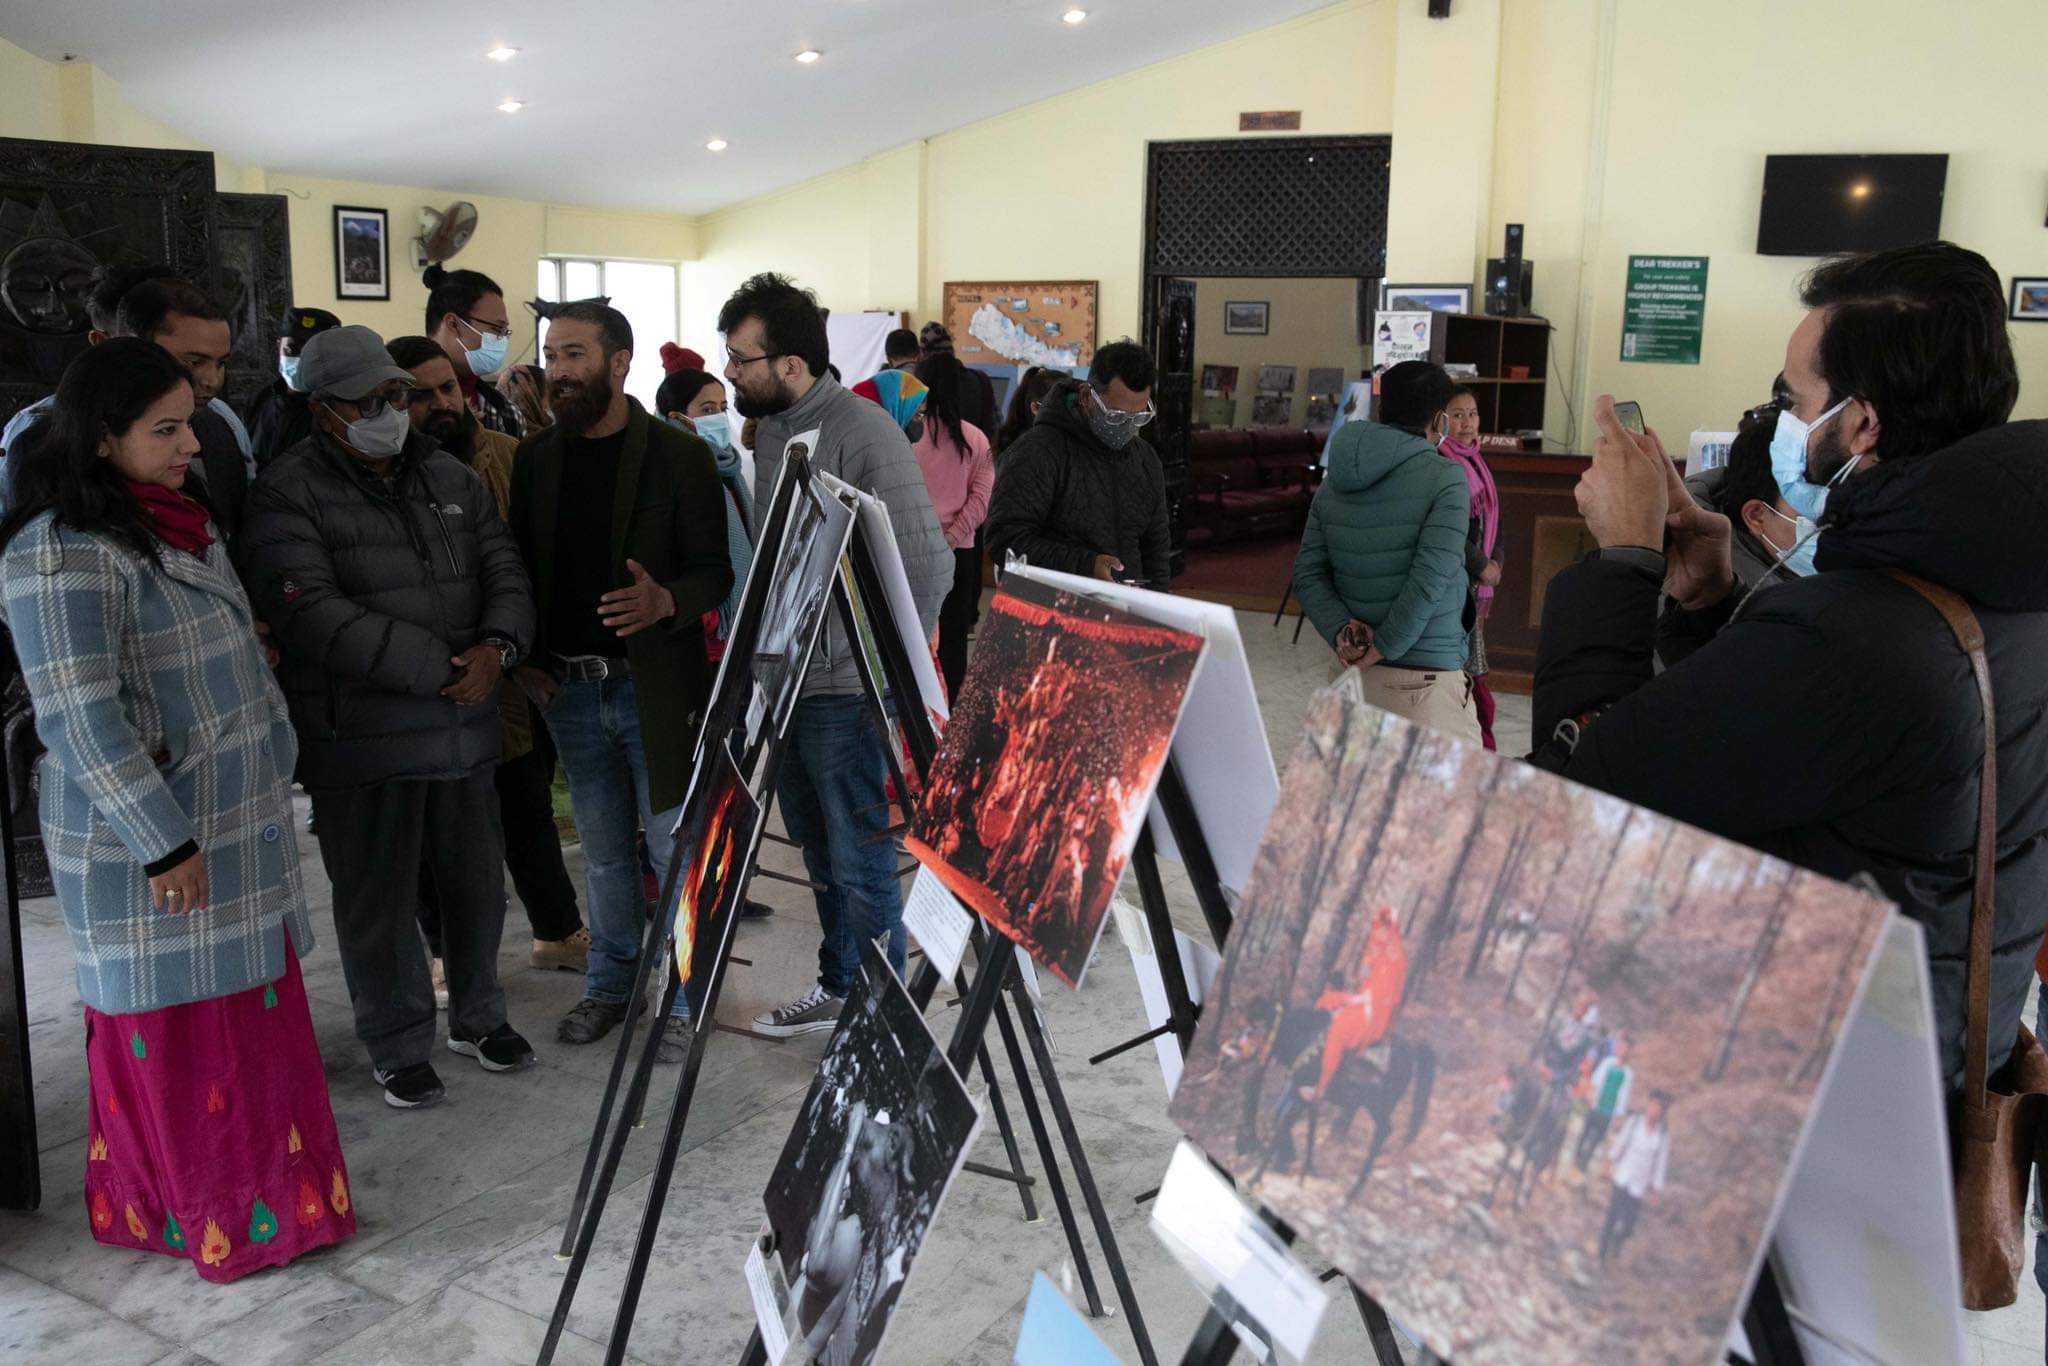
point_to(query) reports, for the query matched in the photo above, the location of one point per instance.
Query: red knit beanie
(674, 358)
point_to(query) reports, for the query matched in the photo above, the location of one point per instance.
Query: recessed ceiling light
(501, 53)
(809, 55)
(1074, 16)
(715, 145)
(511, 106)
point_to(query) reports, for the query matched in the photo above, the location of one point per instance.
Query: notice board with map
(1022, 322)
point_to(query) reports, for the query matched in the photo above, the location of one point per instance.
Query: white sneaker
(810, 1013)
(440, 985)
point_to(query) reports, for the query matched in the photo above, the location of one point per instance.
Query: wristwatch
(508, 653)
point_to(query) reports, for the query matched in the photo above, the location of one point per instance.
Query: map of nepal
(1011, 340)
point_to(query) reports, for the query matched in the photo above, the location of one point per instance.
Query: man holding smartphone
(1381, 571)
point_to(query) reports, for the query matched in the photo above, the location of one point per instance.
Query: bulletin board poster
(1400, 335)
(1664, 309)
(1024, 322)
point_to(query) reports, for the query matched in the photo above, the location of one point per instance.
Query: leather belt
(595, 668)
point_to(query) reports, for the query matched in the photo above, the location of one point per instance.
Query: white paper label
(1203, 1223)
(942, 925)
(768, 1309)
(757, 708)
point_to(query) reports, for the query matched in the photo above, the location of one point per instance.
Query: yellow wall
(1310, 326)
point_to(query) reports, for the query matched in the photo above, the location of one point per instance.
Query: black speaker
(1439, 9)
(1507, 286)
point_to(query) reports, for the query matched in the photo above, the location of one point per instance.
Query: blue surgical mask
(715, 428)
(1805, 540)
(1788, 462)
(487, 357)
(288, 371)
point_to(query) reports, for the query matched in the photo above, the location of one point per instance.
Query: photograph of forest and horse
(1047, 766)
(1530, 1065)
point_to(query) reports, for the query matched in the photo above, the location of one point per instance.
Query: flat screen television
(1820, 205)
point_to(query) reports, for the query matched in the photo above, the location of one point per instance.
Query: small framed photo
(1242, 318)
(2030, 299)
(1425, 298)
(362, 253)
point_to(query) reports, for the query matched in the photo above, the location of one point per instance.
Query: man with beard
(621, 521)
(398, 597)
(526, 764)
(831, 786)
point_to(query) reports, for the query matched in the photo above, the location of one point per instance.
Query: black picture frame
(2022, 307)
(1250, 324)
(354, 247)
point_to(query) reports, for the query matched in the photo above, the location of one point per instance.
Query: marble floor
(460, 1206)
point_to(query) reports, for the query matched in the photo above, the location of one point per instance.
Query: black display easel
(21, 1186)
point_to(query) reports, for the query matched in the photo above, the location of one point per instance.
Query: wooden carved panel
(253, 280)
(67, 208)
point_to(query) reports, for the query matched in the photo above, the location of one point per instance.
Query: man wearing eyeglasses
(399, 598)
(466, 315)
(1081, 491)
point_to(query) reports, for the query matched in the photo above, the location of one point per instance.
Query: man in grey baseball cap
(399, 598)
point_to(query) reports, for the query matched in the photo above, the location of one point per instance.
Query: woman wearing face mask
(166, 806)
(696, 402)
(1457, 436)
(466, 314)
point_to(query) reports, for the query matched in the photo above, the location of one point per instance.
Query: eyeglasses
(749, 360)
(374, 404)
(484, 329)
(1137, 419)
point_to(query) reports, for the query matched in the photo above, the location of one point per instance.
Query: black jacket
(278, 420)
(1834, 721)
(372, 591)
(1061, 498)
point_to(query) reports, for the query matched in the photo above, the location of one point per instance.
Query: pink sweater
(959, 488)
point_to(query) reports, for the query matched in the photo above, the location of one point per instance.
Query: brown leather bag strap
(1969, 633)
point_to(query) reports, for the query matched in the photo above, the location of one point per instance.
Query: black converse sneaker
(501, 1050)
(815, 1010)
(410, 1088)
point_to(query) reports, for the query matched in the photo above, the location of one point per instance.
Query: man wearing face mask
(1833, 720)
(397, 592)
(279, 418)
(466, 315)
(831, 787)
(1080, 491)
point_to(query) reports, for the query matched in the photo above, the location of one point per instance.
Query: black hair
(110, 284)
(1919, 334)
(791, 322)
(1412, 393)
(144, 307)
(1038, 381)
(900, 345)
(942, 376)
(614, 333)
(104, 391)
(1122, 360)
(1459, 391)
(454, 291)
(1748, 474)
(680, 389)
(408, 353)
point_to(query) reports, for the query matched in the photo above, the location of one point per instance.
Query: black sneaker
(588, 1021)
(501, 1050)
(410, 1088)
(815, 1010)
(675, 1041)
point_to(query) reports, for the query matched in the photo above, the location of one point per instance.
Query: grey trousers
(373, 841)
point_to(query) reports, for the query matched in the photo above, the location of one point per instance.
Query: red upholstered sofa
(1255, 482)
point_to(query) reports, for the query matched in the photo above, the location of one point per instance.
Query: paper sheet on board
(871, 523)
(939, 922)
(1220, 748)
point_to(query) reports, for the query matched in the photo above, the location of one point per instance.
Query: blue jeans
(596, 727)
(831, 790)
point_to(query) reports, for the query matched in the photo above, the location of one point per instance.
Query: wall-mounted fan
(443, 232)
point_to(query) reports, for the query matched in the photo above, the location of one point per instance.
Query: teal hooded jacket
(1385, 543)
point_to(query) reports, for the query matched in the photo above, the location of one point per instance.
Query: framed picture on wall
(362, 253)
(1426, 298)
(1243, 318)
(2030, 300)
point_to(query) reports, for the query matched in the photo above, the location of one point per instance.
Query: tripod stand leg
(1002, 1113)
(1075, 1247)
(1084, 1177)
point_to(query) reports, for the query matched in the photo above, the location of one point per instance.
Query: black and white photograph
(362, 253)
(799, 595)
(881, 1135)
(1246, 318)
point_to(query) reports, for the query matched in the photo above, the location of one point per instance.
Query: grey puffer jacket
(372, 588)
(1062, 498)
(860, 443)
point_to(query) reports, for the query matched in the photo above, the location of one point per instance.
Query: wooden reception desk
(1540, 533)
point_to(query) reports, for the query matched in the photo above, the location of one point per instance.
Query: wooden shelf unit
(1494, 345)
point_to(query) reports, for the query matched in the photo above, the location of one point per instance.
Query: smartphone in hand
(1629, 413)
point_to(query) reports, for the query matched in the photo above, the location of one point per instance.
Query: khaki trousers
(1439, 699)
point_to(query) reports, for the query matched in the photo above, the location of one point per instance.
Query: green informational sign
(1664, 309)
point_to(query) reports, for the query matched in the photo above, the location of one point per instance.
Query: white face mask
(382, 436)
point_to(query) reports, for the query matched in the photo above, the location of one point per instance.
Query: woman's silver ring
(170, 892)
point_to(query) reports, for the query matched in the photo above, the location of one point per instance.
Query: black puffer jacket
(1834, 721)
(1062, 498)
(372, 591)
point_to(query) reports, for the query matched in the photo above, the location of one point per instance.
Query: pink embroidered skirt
(211, 1135)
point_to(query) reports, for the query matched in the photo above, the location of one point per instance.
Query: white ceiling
(621, 95)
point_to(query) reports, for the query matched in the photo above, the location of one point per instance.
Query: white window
(645, 291)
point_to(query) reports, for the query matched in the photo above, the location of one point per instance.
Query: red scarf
(178, 521)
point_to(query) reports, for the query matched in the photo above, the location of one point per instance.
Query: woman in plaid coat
(166, 808)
